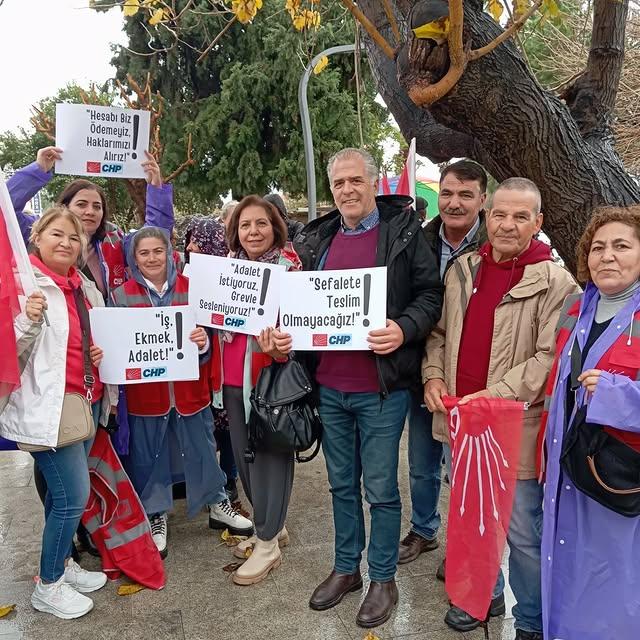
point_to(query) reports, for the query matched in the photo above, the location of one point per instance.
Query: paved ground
(200, 601)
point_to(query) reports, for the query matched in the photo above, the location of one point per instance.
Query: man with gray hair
(496, 338)
(364, 395)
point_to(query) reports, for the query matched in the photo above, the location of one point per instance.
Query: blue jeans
(524, 540)
(425, 463)
(361, 440)
(66, 473)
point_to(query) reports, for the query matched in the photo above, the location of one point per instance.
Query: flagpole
(18, 247)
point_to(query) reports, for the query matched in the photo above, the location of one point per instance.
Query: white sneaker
(82, 580)
(61, 600)
(159, 532)
(224, 516)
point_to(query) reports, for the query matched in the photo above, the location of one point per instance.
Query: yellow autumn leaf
(130, 7)
(551, 8)
(6, 609)
(312, 19)
(495, 9)
(322, 64)
(129, 589)
(157, 17)
(371, 636)
(231, 540)
(299, 22)
(149, 3)
(437, 30)
(520, 7)
(292, 6)
(245, 10)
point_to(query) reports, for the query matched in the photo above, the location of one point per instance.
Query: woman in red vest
(255, 232)
(171, 428)
(590, 552)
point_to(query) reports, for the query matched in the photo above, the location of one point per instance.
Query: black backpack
(284, 416)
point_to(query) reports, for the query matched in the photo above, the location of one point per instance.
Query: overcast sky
(45, 44)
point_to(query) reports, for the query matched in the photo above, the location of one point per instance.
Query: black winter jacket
(432, 234)
(414, 290)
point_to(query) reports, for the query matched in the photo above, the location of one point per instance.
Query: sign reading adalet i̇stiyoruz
(234, 295)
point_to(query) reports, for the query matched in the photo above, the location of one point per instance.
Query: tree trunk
(137, 190)
(499, 115)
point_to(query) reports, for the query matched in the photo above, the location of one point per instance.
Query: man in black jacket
(364, 396)
(459, 228)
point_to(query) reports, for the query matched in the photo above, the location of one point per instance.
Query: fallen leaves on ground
(230, 540)
(231, 567)
(129, 589)
(371, 636)
(6, 609)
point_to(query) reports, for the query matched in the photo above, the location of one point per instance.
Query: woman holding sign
(171, 430)
(106, 262)
(55, 361)
(256, 232)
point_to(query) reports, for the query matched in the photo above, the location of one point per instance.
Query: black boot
(460, 620)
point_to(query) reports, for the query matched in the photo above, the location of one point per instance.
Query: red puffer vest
(153, 398)
(117, 522)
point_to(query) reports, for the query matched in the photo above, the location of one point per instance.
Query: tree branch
(187, 163)
(370, 29)
(506, 34)
(592, 97)
(215, 41)
(392, 21)
(426, 95)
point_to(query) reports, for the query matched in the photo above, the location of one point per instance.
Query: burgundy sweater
(350, 371)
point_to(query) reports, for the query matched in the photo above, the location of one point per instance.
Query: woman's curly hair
(604, 215)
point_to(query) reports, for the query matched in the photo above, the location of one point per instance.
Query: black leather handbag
(600, 465)
(284, 416)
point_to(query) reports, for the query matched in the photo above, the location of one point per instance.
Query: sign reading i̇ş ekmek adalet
(98, 141)
(148, 344)
(234, 295)
(333, 310)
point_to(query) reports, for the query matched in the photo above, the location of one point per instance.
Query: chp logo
(334, 339)
(107, 167)
(148, 373)
(220, 320)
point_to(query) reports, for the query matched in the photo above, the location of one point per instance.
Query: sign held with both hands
(97, 141)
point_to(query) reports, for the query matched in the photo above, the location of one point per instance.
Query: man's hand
(282, 341)
(385, 341)
(589, 379)
(478, 394)
(433, 392)
(95, 354)
(47, 157)
(152, 170)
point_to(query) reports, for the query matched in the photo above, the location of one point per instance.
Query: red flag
(485, 437)
(403, 183)
(386, 189)
(407, 182)
(9, 309)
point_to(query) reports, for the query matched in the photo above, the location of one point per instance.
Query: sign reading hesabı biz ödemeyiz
(234, 295)
(106, 142)
(333, 310)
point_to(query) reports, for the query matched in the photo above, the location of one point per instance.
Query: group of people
(474, 304)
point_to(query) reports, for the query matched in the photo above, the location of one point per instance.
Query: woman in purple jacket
(591, 553)
(106, 254)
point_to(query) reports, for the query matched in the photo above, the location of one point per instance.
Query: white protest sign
(234, 295)
(101, 141)
(145, 344)
(333, 310)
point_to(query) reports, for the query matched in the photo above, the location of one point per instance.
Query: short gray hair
(370, 165)
(522, 184)
(151, 232)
